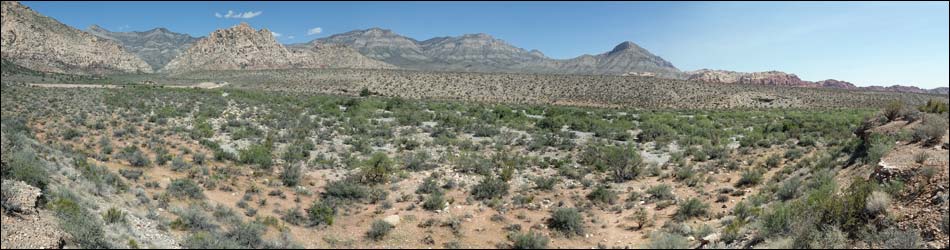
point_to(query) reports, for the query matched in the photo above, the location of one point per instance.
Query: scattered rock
(21, 197)
(393, 220)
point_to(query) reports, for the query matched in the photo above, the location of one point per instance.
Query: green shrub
(932, 129)
(131, 174)
(194, 220)
(894, 110)
(247, 235)
(624, 164)
(377, 169)
(435, 202)
(294, 217)
(602, 195)
(568, 221)
(530, 240)
(878, 202)
(207, 240)
(690, 209)
(71, 134)
(896, 239)
(346, 190)
(135, 157)
(198, 158)
(257, 155)
(429, 185)
(292, 175)
(773, 161)
(113, 216)
(470, 163)
(934, 107)
(777, 220)
(25, 166)
(379, 230)
(750, 177)
(545, 184)
(321, 213)
(179, 165)
(418, 161)
(663, 240)
(879, 147)
(490, 188)
(82, 225)
(789, 189)
(661, 192)
(185, 188)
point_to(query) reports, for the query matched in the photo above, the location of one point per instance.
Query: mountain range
(156, 47)
(484, 53)
(243, 47)
(40, 43)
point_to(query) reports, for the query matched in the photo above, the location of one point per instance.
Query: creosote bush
(690, 209)
(490, 188)
(185, 188)
(530, 240)
(567, 221)
(379, 230)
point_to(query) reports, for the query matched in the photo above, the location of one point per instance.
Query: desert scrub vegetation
(530, 240)
(379, 230)
(185, 189)
(517, 159)
(568, 221)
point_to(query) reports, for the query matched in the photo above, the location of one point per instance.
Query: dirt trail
(203, 85)
(55, 85)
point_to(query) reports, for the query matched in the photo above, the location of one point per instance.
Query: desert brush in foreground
(154, 167)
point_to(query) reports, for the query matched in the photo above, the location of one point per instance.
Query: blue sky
(876, 43)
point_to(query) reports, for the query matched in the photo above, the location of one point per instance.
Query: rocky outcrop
(41, 43)
(34, 231)
(242, 47)
(908, 89)
(778, 78)
(835, 84)
(19, 197)
(24, 225)
(156, 47)
(773, 78)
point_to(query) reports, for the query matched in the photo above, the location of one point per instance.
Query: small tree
(893, 110)
(625, 164)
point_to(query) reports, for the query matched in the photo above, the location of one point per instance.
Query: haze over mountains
(40, 43)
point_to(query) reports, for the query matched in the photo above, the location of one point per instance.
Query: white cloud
(290, 37)
(276, 34)
(314, 31)
(237, 15)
